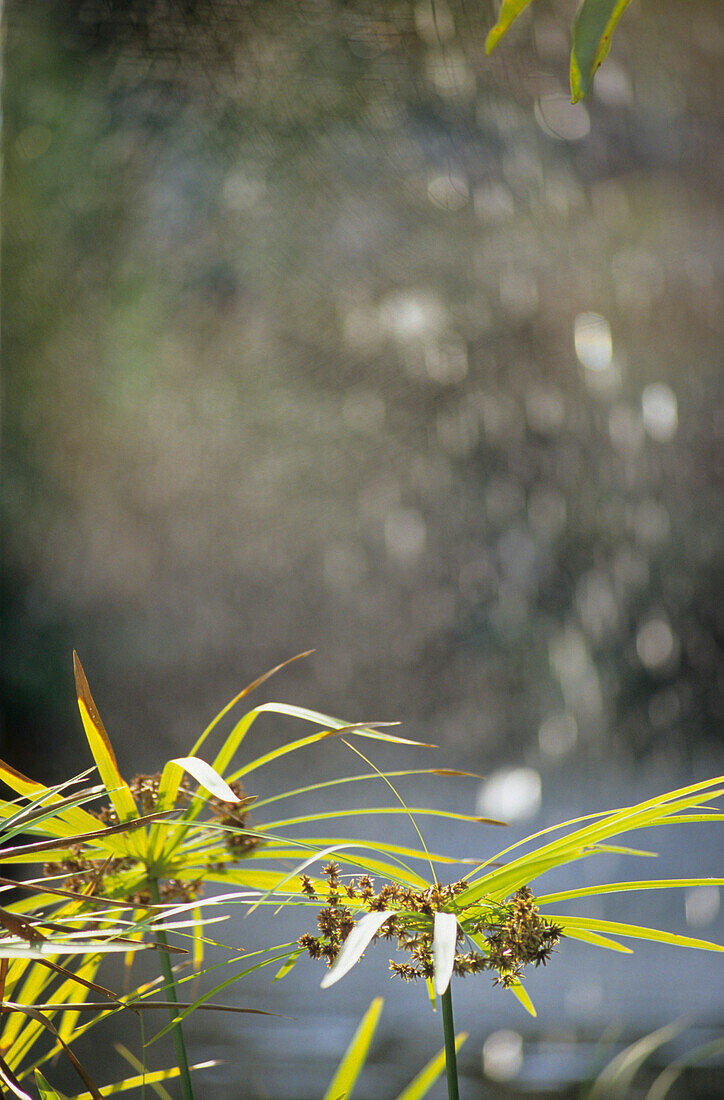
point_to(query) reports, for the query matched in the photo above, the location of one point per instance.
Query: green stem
(451, 1061)
(170, 984)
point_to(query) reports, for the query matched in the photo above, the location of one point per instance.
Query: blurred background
(323, 329)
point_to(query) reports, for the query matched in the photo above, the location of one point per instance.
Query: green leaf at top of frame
(509, 11)
(593, 29)
(349, 1068)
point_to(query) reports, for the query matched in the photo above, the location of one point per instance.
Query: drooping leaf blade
(509, 11)
(518, 990)
(593, 29)
(443, 949)
(355, 945)
(245, 691)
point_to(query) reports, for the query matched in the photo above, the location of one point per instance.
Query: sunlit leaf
(139, 1066)
(8, 1078)
(69, 821)
(426, 1078)
(287, 966)
(359, 778)
(586, 936)
(245, 691)
(355, 945)
(195, 1005)
(100, 746)
(34, 1014)
(518, 990)
(364, 811)
(632, 931)
(622, 887)
(205, 775)
(443, 949)
(46, 1090)
(147, 1078)
(349, 1068)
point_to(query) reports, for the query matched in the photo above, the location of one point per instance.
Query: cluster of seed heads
(84, 875)
(515, 934)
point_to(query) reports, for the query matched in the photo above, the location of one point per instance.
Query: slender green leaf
(664, 1082)
(46, 1090)
(138, 1065)
(287, 966)
(359, 778)
(632, 931)
(69, 822)
(597, 941)
(593, 28)
(376, 810)
(622, 887)
(616, 1080)
(245, 691)
(518, 990)
(426, 1078)
(349, 1068)
(212, 992)
(147, 1078)
(509, 11)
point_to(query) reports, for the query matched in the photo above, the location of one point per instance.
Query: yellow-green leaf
(287, 966)
(622, 887)
(349, 1068)
(147, 1078)
(46, 1090)
(598, 941)
(633, 931)
(100, 746)
(592, 32)
(68, 822)
(509, 11)
(518, 990)
(426, 1078)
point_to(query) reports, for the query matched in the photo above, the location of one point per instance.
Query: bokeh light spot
(656, 644)
(593, 343)
(512, 794)
(659, 409)
(503, 1055)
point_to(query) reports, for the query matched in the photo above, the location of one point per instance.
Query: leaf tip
(493, 38)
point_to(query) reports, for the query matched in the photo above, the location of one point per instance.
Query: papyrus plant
(161, 839)
(490, 919)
